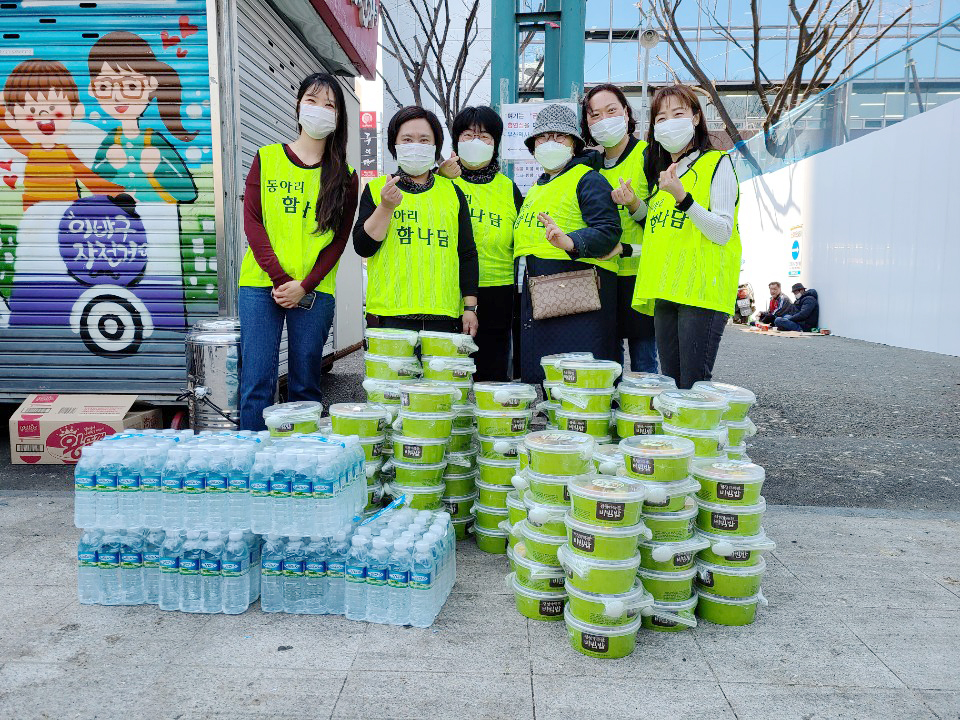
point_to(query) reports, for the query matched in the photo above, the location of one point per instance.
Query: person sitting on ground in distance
(805, 314)
(778, 306)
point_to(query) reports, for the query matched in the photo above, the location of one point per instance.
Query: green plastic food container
(546, 519)
(494, 448)
(504, 395)
(668, 497)
(498, 472)
(419, 450)
(691, 409)
(489, 518)
(460, 507)
(516, 507)
(462, 440)
(706, 443)
(424, 424)
(738, 452)
(602, 577)
(734, 551)
(428, 397)
(420, 498)
(629, 424)
(608, 610)
(729, 611)
(463, 527)
(590, 374)
(418, 474)
(448, 369)
(730, 482)
(585, 400)
(549, 411)
(285, 419)
(635, 395)
(554, 452)
(672, 526)
(372, 469)
(739, 399)
(383, 367)
(608, 460)
(548, 489)
(657, 458)
(548, 388)
(539, 547)
(730, 582)
(597, 641)
(671, 617)
(604, 543)
(460, 484)
(383, 392)
(594, 424)
(462, 461)
(606, 500)
(464, 412)
(493, 495)
(374, 498)
(730, 519)
(670, 556)
(361, 419)
(537, 604)
(503, 423)
(391, 342)
(493, 542)
(372, 447)
(672, 586)
(739, 430)
(537, 576)
(551, 372)
(441, 344)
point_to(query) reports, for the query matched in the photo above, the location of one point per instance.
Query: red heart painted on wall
(10, 180)
(168, 40)
(6, 165)
(186, 29)
(181, 53)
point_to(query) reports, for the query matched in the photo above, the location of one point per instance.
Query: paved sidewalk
(863, 622)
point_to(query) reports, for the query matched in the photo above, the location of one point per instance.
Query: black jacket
(806, 310)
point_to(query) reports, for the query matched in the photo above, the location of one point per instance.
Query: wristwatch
(471, 308)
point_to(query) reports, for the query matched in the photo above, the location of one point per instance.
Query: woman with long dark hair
(690, 264)
(298, 211)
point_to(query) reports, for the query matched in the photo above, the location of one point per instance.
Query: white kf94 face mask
(416, 158)
(674, 134)
(476, 152)
(609, 131)
(553, 155)
(317, 122)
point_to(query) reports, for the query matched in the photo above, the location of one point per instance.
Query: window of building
(713, 58)
(926, 11)
(624, 62)
(597, 14)
(596, 60)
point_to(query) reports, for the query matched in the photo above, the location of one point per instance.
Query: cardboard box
(51, 429)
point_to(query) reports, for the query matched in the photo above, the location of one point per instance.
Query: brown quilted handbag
(567, 293)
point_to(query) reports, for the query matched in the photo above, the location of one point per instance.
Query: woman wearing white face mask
(298, 209)
(415, 229)
(568, 222)
(494, 200)
(607, 120)
(690, 264)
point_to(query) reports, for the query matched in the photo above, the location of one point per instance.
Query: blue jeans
(784, 324)
(261, 325)
(643, 354)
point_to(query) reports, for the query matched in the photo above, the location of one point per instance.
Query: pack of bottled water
(398, 567)
(306, 485)
(209, 572)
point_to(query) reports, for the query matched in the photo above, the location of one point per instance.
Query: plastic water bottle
(280, 482)
(355, 592)
(171, 484)
(150, 488)
(170, 570)
(315, 581)
(260, 501)
(88, 573)
(421, 586)
(190, 573)
(301, 494)
(216, 487)
(129, 501)
(151, 566)
(85, 487)
(235, 567)
(324, 506)
(238, 499)
(211, 581)
(271, 574)
(193, 486)
(336, 573)
(131, 567)
(108, 505)
(378, 575)
(108, 563)
(254, 545)
(399, 583)
(294, 575)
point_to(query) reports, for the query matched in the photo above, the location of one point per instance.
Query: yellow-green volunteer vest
(288, 195)
(492, 214)
(558, 198)
(678, 262)
(630, 169)
(417, 268)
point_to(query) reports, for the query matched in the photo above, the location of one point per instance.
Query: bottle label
(270, 567)
(335, 569)
(216, 483)
(292, 568)
(239, 483)
(420, 580)
(193, 483)
(235, 568)
(150, 483)
(128, 482)
(172, 483)
(301, 488)
(131, 560)
(169, 564)
(83, 482)
(377, 576)
(279, 487)
(259, 487)
(399, 579)
(106, 482)
(356, 573)
(210, 567)
(109, 560)
(323, 489)
(87, 558)
(316, 568)
(189, 565)
(151, 559)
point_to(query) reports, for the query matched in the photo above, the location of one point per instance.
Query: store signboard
(354, 25)
(368, 144)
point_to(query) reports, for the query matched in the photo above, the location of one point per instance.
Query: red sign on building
(354, 25)
(368, 144)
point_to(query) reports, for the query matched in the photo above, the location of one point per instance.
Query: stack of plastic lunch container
(553, 378)
(696, 415)
(736, 421)
(635, 414)
(285, 419)
(503, 412)
(585, 394)
(368, 421)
